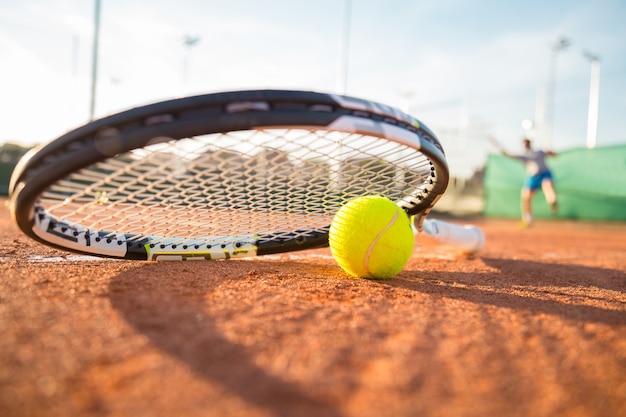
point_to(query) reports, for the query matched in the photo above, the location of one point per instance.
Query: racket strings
(274, 181)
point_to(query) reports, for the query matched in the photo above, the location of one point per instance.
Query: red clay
(535, 325)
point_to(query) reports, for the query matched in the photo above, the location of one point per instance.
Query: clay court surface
(535, 325)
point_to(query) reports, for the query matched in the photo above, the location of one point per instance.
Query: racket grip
(468, 238)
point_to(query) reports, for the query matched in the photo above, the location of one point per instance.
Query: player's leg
(547, 185)
(531, 185)
(527, 198)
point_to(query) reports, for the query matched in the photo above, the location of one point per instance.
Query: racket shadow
(170, 308)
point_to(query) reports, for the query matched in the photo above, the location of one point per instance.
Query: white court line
(69, 258)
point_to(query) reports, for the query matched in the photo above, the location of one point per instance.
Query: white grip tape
(469, 238)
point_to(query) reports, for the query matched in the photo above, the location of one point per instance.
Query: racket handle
(469, 238)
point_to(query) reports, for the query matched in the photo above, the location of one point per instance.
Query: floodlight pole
(94, 61)
(188, 42)
(345, 46)
(560, 45)
(594, 100)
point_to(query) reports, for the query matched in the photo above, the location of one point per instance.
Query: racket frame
(200, 115)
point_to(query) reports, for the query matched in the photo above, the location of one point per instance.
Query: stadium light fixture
(94, 58)
(189, 42)
(561, 44)
(342, 82)
(594, 100)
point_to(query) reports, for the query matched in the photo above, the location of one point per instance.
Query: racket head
(92, 190)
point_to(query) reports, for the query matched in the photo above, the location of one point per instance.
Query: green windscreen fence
(590, 185)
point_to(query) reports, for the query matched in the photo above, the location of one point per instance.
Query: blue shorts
(534, 182)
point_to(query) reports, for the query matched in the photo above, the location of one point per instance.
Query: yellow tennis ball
(371, 237)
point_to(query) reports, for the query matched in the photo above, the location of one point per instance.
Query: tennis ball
(371, 237)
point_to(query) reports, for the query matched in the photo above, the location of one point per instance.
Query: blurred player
(538, 175)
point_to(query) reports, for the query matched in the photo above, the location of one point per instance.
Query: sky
(468, 69)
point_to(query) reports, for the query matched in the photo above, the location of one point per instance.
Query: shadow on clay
(174, 318)
(525, 285)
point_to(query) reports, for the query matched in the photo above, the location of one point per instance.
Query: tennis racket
(226, 175)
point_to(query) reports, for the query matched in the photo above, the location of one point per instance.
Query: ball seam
(371, 247)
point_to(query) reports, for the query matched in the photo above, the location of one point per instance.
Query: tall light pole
(94, 59)
(560, 45)
(594, 100)
(188, 42)
(342, 82)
